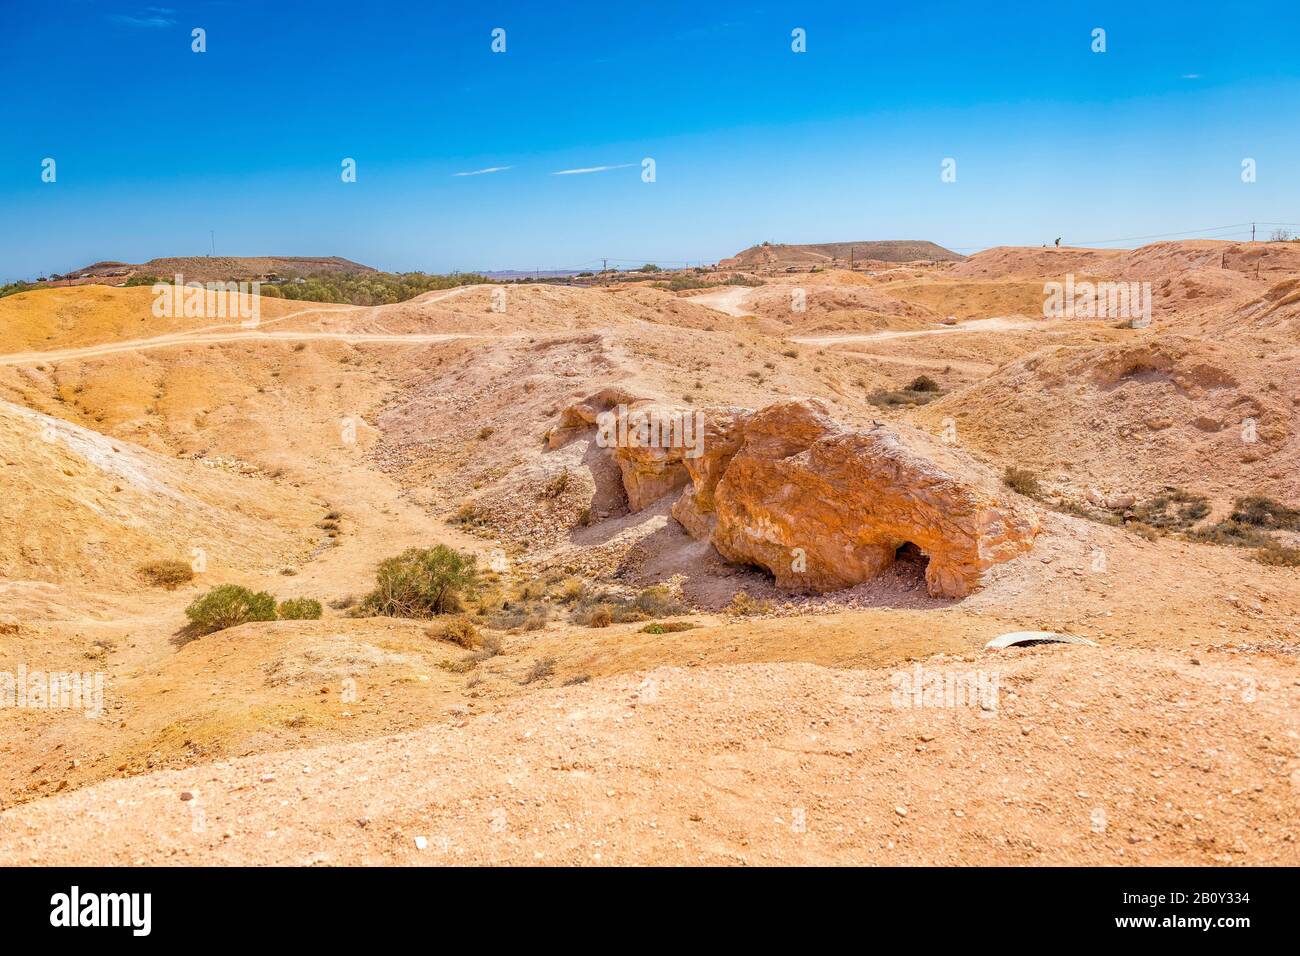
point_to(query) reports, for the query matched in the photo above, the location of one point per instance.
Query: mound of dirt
(1134, 417)
(1158, 260)
(1002, 262)
(79, 506)
(777, 255)
(44, 320)
(1275, 315)
(826, 302)
(220, 268)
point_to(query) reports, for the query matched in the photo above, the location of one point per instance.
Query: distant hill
(776, 255)
(217, 268)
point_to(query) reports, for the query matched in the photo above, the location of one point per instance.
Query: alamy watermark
(651, 428)
(209, 300)
(1098, 300)
(53, 690)
(932, 688)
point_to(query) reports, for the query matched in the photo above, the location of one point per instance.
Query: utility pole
(851, 258)
(1252, 232)
(212, 234)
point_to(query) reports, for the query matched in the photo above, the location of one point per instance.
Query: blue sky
(156, 145)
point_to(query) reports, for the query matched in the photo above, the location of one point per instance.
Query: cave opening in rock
(911, 557)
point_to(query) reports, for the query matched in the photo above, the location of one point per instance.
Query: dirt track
(730, 301)
(189, 339)
(976, 325)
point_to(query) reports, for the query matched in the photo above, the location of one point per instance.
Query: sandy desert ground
(297, 455)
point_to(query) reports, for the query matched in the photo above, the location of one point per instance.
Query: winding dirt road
(975, 325)
(729, 301)
(190, 338)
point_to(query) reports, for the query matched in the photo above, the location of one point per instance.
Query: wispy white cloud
(148, 17)
(1191, 76)
(483, 172)
(590, 169)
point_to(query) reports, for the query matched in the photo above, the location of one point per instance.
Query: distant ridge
(216, 268)
(770, 255)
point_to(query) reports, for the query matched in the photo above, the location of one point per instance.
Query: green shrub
(667, 627)
(166, 574)
(229, 605)
(422, 582)
(364, 288)
(658, 601)
(299, 609)
(1022, 481)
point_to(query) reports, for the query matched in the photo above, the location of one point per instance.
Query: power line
(1187, 233)
(1165, 235)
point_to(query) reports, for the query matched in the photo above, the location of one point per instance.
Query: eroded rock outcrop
(824, 507)
(821, 506)
(649, 440)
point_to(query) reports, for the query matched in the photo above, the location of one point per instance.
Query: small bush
(1265, 513)
(491, 647)
(459, 630)
(1278, 556)
(596, 608)
(558, 485)
(667, 627)
(906, 396)
(469, 514)
(570, 590)
(1144, 531)
(1022, 482)
(299, 609)
(422, 582)
(540, 670)
(742, 605)
(229, 605)
(658, 601)
(166, 574)
(1174, 510)
(1233, 533)
(519, 616)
